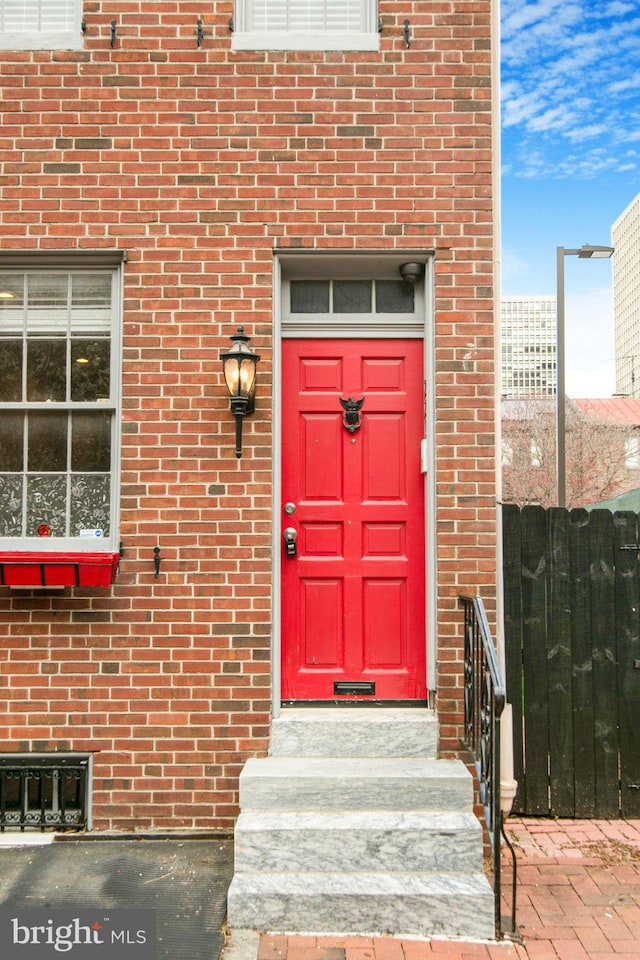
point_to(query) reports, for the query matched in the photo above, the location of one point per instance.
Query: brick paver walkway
(578, 899)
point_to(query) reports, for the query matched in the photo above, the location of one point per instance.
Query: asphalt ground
(578, 897)
(184, 881)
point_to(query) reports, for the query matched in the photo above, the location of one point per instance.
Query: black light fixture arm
(239, 409)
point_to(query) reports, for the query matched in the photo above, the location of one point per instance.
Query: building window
(59, 407)
(350, 297)
(45, 791)
(40, 24)
(305, 25)
(632, 453)
(536, 454)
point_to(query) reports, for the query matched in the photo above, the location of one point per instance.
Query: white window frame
(325, 266)
(110, 262)
(39, 39)
(246, 38)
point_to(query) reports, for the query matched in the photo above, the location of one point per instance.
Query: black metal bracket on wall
(157, 560)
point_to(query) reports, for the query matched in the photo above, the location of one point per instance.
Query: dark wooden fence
(572, 636)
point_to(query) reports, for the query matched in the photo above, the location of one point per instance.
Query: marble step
(321, 783)
(355, 732)
(364, 841)
(397, 904)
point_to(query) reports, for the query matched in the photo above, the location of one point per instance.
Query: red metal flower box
(48, 569)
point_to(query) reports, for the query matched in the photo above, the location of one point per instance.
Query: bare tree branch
(596, 455)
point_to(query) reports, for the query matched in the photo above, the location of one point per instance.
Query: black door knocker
(351, 417)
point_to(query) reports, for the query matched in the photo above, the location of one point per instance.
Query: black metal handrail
(484, 702)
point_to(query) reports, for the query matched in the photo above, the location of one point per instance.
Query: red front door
(353, 596)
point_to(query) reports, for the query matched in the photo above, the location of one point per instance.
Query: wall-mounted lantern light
(239, 367)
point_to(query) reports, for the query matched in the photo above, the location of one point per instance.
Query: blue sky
(570, 160)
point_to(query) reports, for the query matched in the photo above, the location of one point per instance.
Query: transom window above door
(351, 296)
(375, 298)
(305, 25)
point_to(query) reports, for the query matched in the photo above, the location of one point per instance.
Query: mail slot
(365, 688)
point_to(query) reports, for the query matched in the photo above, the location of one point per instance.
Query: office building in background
(528, 328)
(626, 299)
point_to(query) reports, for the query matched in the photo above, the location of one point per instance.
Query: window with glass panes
(40, 24)
(306, 24)
(58, 406)
(351, 296)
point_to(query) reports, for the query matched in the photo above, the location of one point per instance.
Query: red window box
(44, 569)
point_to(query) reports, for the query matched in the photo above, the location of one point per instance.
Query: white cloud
(617, 8)
(621, 86)
(552, 119)
(586, 133)
(528, 163)
(536, 19)
(569, 72)
(519, 109)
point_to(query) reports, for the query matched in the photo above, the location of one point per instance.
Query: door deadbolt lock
(291, 541)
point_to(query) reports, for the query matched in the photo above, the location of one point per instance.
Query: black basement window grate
(44, 792)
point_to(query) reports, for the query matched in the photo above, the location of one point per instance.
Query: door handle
(291, 541)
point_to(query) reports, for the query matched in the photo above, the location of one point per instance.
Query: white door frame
(323, 261)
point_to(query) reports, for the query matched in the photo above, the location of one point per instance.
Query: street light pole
(586, 252)
(561, 412)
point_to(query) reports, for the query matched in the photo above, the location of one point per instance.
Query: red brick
(200, 162)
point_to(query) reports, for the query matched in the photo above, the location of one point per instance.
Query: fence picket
(582, 664)
(604, 663)
(534, 660)
(628, 654)
(560, 691)
(513, 636)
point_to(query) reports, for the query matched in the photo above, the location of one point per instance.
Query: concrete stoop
(353, 826)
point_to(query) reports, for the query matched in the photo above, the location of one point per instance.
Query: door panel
(385, 625)
(321, 602)
(353, 595)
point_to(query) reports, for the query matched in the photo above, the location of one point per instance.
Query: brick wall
(200, 162)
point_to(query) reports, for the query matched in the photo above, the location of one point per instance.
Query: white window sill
(41, 41)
